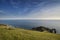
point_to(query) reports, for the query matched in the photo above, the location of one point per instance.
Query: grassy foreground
(21, 34)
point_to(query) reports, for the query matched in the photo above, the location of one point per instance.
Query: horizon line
(29, 18)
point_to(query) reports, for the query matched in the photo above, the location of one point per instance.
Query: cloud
(33, 9)
(1, 11)
(15, 3)
(47, 12)
(52, 12)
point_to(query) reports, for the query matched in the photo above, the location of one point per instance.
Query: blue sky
(29, 9)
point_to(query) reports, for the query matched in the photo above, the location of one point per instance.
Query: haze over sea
(28, 24)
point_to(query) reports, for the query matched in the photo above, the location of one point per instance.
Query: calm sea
(28, 24)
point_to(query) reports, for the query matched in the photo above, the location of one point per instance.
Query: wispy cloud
(0, 10)
(47, 12)
(31, 9)
(15, 3)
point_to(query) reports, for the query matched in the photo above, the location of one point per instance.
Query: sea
(29, 24)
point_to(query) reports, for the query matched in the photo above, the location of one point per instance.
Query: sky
(30, 9)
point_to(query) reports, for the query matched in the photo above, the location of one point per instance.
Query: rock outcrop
(42, 29)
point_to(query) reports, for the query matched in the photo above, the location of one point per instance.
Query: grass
(22, 34)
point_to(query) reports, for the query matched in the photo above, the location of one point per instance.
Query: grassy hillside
(7, 33)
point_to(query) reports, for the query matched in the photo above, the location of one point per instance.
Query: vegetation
(22, 34)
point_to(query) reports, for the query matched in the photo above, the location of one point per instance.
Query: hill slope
(21, 34)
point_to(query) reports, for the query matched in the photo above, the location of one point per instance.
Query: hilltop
(10, 33)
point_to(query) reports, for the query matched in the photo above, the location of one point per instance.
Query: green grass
(22, 34)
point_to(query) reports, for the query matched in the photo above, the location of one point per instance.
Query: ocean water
(28, 24)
